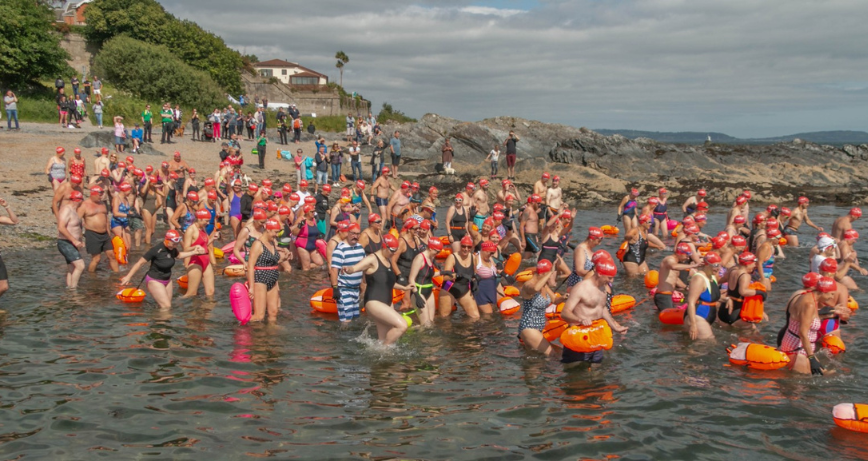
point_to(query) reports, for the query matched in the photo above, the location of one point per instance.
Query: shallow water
(85, 376)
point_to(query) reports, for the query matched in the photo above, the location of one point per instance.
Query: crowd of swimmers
(379, 239)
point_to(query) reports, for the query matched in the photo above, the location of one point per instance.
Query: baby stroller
(208, 131)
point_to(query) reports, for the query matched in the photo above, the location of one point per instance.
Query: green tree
(154, 73)
(343, 59)
(387, 113)
(29, 50)
(148, 21)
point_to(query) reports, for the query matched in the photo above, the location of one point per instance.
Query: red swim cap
(374, 217)
(75, 179)
(267, 182)
(272, 224)
(193, 196)
(856, 212)
(644, 219)
(293, 197)
(434, 243)
(810, 280)
(544, 265)
(803, 200)
(606, 268)
(466, 240)
(746, 258)
(391, 241)
(76, 196)
(738, 219)
(738, 241)
(489, 246)
(259, 215)
(327, 188)
(203, 214)
(284, 210)
(712, 258)
(827, 285)
(851, 234)
(740, 200)
(829, 265)
(773, 233)
(683, 248)
(595, 233)
(287, 188)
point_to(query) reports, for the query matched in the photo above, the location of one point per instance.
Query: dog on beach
(179, 132)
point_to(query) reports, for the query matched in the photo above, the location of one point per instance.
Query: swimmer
(234, 198)
(346, 286)
(340, 236)
(739, 208)
(97, 230)
(101, 163)
(669, 275)
(122, 207)
(63, 191)
(200, 268)
(848, 253)
(660, 213)
(769, 250)
(185, 212)
(399, 204)
(737, 227)
(56, 168)
(587, 302)
(402, 258)
(728, 254)
(845, 223)
(381, 190)
(550, 246)
(799, 214)
(739, 280)
(381, 280)
(637, 242)
(480, 208)
(536, 297)
(162, 258)
(540, 187)
(582, 265)
(803, 327)
(69, 238)
(827, 248)
(372, 237)
(458, 274)
(306, 234)
(263, 270)
(529, 227)
(703, 298)
(831, 319)
(627, 210)
(10, 220)
(689, 205)
(507, 189)
(421, 284)
(554, 196)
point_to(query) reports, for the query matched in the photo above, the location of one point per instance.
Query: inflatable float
(322, 300)
(672, 316)
(512, 263)
(182, 282)
(594, 337)
(508, 305)
(239, 299)
(752, 307)
(120, 249)
(218, 253)
(833, 343)
(447, 248)
(851, 416)
(511, 291)
(610, 230)
(621, 303)
(235, 270)
(554, 329)
(757, 356)
(524, 275)
(652, 278)
(131, 295)
(852, 304)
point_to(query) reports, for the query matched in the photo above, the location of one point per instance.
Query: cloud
(743, 67)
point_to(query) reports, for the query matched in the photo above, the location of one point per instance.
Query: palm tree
(342, 59)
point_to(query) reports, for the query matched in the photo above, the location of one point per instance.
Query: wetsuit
(706, 306)
(380, 283)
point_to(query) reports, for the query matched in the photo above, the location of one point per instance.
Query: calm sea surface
(83, 376)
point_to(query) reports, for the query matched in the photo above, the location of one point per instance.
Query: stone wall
(323, 103)
(80, 52)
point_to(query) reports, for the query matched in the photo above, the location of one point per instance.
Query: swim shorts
(571, 356)
(348, 303)
(97, 242)
(68, 250)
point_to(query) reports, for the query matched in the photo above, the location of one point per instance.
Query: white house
(290, 73)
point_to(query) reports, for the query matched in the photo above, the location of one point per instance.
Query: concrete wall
(80, 52)
(323, 103)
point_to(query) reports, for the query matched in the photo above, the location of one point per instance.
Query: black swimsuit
(380, 284)
(733, 294)
(463, 274)
(372, 246)
(458, 225)
(405, 259)
(636, 251)
(549, 250)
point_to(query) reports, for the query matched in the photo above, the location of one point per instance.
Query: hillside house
(72, 12)
(290, 73)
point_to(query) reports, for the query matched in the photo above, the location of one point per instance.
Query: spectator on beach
(511, 154)
(86, 88)
(194, 121)
(239, 124)
(59, 84)
(322, 166)
(167, 117)
(356, 161)
(446, 154)
(147, 122)
(177, 119)
(63, 110)
(395, 149)
(80, 110)
(231, 124)
(97, 112)
(216, 121)
(74, 83)
(493, 157)
(136, 136)
(351, 127)
(261, 149)
(250, 121)
(97, 88)
(119, 133)
(11, 102)
(378, 159)
(293, 112)
(336, 159)
(260, 121)
(296, 130)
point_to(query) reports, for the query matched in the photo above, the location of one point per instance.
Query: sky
(746, 68)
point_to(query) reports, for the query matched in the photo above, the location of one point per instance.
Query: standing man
(147, 123)
(261, 146)
(511, 154)
(11, 102)
(395, 147)
(345, 286)
(446, 155)
(176, 117)
(97, 232)
(799, 215)
(69, 238)
(167, 118)
(845, 223)
(356, 161)
(10, 220)
(554, 196)
(74, 83)
(97, 88)
(351, 127)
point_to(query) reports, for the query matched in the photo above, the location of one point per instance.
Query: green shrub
(29, 50)
(153, 73)
(387, 113)
(148, 21)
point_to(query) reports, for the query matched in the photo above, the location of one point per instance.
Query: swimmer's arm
(367, 202)
(617, 327)
(414, 271)
(695, 289)
(806, 318)
(655, 242)
(579, 260)
(361, 266)
(176, 215)
(58, 197)
(567, 313)
(621, 205)
(449, 214)
(402, 247)
(448, 268)
(138, 265)
(239, 242)
(811, 223)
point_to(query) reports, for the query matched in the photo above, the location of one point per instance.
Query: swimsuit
(76, 168)
(308, 236)
(121, 222)
(426, 288)
(575, 278)
(706, 306)
(791, 343)
(201, 260)
(57, 171)
(629, 209)
(460, 283)
(549, 250)
(533, 313)
(380, 284)
(733, 293)
(235, 207)
(189, 219)
(405, 259)
(266, 269)
(636, 251)
(660, 212)
(372, 246)
(487, 277)
(769, 265)
(458, 225)
(211, 224)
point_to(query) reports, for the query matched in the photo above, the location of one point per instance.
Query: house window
(282, 71)
(266, 73)
(304, 80)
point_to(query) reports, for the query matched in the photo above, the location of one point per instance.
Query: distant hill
(835, 138)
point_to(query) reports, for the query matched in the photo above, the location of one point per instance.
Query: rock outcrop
(594, 166)
(107, 139)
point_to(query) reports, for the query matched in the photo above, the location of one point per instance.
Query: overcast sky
(747, 68)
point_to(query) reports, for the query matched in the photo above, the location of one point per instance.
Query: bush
(153, 73)
(29, 50)
(148, 21)
(387, 113)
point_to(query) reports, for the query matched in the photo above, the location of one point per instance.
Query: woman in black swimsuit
(458, 271)
(638, 240)
(457, 223)
(372, 239)
(402, 259)
(380, 280)
(421, 281)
